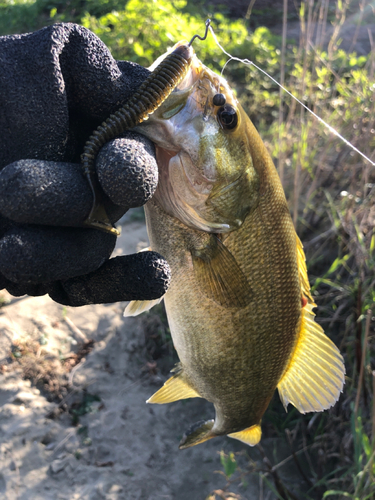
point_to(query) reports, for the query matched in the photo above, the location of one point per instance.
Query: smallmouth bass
(239, 306)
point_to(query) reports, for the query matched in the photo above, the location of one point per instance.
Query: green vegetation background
(331, 189)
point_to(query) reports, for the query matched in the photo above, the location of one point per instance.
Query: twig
(325, 235)
(280, 487)
(249, 9)
(281, 93)
(65, 399)
(288, 459)
(261, 496)
(64, 440)
(363, 474)
(359, 22)
(76, 330)
(360, 380)
(305, 32)
(72, 373)
(358, 323)
(307, 480)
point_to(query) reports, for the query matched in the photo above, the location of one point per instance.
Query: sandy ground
(121, 448)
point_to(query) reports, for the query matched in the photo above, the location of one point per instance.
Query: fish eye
(227, 116)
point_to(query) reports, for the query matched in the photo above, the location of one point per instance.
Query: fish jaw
(198, 433)
(206, 174)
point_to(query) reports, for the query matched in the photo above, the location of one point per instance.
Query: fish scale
(239, 306)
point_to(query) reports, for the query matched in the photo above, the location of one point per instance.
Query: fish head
(206, 173)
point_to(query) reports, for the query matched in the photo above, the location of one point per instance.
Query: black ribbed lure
(150, 95)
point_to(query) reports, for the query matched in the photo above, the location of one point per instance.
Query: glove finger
(127, 170)
(56, 193)
(42, 192)
(141, 276)
(40, 255)
(19, 289)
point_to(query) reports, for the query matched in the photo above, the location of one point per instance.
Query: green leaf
(336, 263)
(138, 49)
(366, 445)
(302, 10)
(336, 492)
(229, 463)
(372, 244)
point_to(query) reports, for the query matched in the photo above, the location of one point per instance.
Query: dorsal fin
(315, 375)
(302, 271)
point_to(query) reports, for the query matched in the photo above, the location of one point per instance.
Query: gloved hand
(56, 86)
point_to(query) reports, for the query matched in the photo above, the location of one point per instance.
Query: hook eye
(219, 100)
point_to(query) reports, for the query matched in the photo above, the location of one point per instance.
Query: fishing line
(247, 62)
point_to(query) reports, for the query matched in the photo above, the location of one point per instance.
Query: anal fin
(250, 436)
(314, 378)
(175, 388)
(198, 433)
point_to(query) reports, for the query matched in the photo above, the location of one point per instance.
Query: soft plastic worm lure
(149, 96)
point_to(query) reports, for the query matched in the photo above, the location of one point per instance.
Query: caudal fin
(198, 433)
(315, 376)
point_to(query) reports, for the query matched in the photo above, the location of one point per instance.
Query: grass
(331, 193)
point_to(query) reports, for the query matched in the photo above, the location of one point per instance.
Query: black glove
(56, 86)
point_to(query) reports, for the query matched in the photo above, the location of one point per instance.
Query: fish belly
(233, 357)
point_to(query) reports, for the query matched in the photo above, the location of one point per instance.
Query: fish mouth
(192, 154)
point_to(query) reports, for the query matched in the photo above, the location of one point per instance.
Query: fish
(239, 306)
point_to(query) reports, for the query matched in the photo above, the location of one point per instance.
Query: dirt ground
(102, 441)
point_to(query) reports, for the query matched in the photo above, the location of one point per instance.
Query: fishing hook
(208, 22)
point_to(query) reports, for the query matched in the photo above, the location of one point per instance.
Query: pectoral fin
(198, 433)
(174, 389)
(136, 307)
(219, 275)
(315, 375)
(250, 436)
